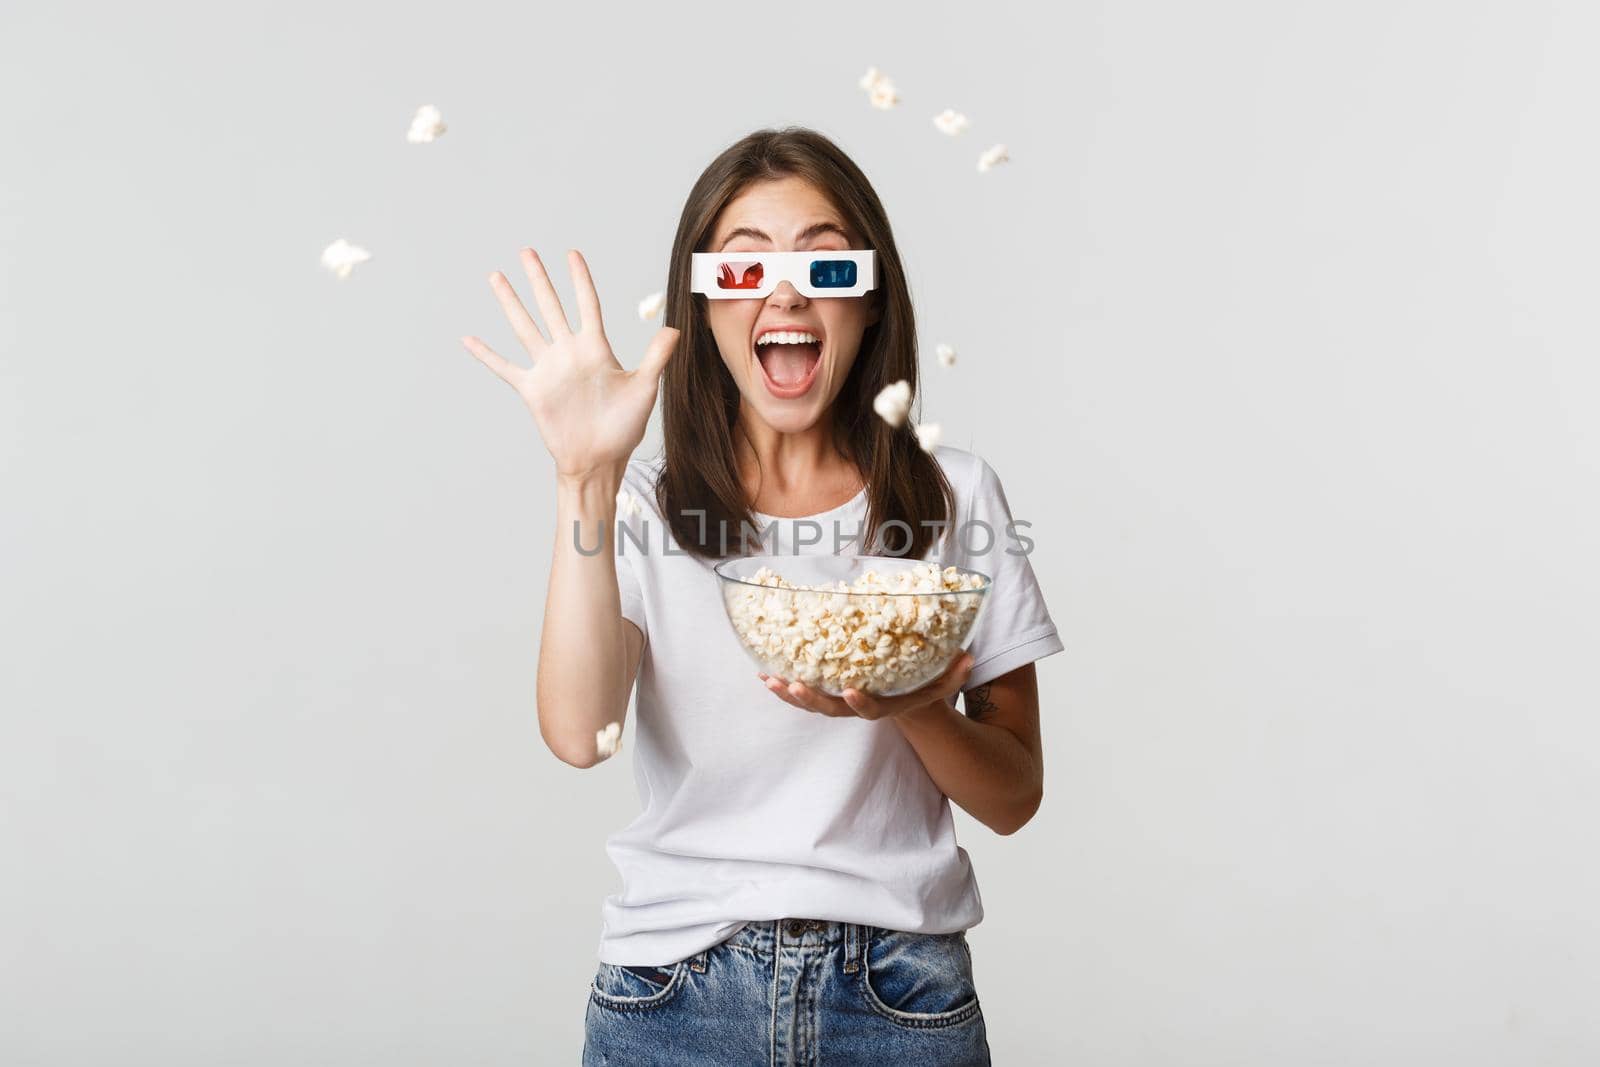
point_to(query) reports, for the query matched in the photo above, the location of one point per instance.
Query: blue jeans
(791, 992)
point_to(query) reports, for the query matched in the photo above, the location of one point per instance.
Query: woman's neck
(792, 473)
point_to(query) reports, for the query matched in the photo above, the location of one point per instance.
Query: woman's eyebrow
(806, 234)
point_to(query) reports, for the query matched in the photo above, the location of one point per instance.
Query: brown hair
(700, 402)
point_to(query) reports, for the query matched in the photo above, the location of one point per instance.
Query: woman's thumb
(656, 356)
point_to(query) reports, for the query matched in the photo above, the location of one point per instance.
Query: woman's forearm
(983, 768)
(582, 677)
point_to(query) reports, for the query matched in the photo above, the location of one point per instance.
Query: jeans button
(796, 927)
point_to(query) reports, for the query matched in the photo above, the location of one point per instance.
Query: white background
(1279, 327)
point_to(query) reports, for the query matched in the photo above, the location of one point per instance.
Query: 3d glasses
(740, 275)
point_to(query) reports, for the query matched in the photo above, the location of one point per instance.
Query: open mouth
(790, 364)
(789, 361)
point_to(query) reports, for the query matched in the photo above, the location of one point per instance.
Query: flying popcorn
(928, 435)
(882, 633)
(608, 742)
(628, 505)
(946, 354)
(341, 257)
(880, 90)
(991, 157)
(950, 122)
(426, 125)
(872, 78)
(893, 402)
(651, 305)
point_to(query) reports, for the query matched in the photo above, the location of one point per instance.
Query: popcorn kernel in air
(426, 125)
(946, 354)
(628, 505)
(884, 96)
(341, 257)
(893, 402)
(991, 157)
(928, 435)
(608, 741)
(652, 305)
(950, 121)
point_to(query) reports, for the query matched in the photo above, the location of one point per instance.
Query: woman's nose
(786, 296)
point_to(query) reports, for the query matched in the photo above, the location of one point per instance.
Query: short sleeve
(1014, 628)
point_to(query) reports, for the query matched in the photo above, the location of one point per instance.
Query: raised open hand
(591, 412)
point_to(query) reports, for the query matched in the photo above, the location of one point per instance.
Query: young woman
(792, 891)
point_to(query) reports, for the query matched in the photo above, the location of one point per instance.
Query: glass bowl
(909, 621)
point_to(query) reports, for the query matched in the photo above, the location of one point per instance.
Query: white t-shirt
(757, 810)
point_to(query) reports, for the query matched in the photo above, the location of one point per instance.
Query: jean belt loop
(852, 947)
(697, 962)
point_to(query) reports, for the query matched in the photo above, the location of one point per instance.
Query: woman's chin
(788, 416)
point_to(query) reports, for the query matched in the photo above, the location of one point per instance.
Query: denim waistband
(766, 936)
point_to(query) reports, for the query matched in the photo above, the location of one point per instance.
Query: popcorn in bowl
(881, 624)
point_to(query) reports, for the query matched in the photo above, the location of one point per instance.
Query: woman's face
(789, 386)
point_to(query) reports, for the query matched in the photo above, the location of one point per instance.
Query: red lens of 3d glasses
(740, 275)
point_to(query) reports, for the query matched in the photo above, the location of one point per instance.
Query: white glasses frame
(791, 267)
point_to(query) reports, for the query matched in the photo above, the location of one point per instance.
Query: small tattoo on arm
(978, 703)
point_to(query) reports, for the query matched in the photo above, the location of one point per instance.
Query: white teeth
(786, 337)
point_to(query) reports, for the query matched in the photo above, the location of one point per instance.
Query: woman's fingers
(657, 354)
(588, 300)
(522, 323)
(948, 684)
(776, 687)
(941, 688)
(798, 695)
(555, 319)
(864, 704)
(507, 370)
(821, 703)
(955, 676)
